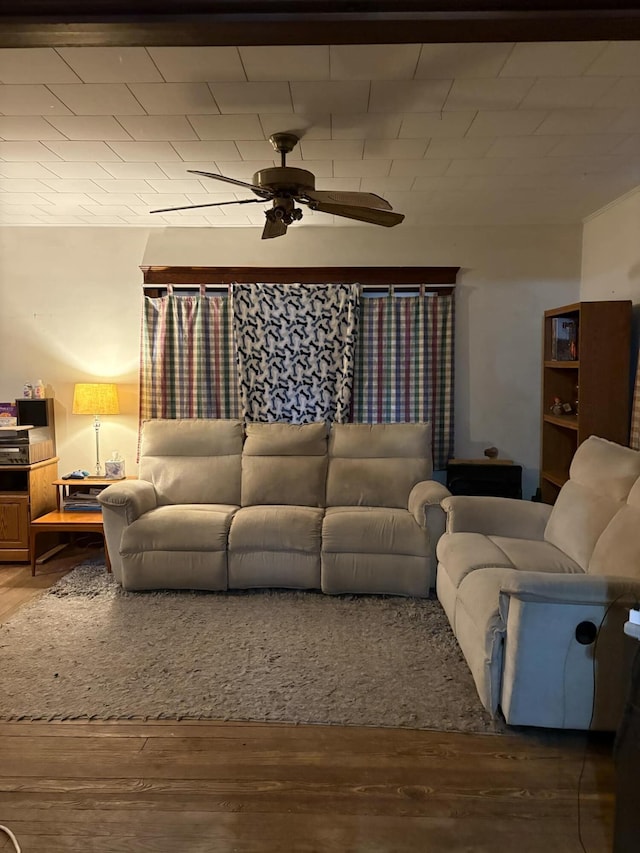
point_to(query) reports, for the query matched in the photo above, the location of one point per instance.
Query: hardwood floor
(227, 787)
(17, 587)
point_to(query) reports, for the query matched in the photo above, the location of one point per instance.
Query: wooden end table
(60, 521)
(69, 521)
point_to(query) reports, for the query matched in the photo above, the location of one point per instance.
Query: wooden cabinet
(26, 492)
(595, 374)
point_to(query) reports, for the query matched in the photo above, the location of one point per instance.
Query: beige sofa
(349, 510)
(537, 595)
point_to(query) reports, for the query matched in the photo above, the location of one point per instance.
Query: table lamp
(96, 398)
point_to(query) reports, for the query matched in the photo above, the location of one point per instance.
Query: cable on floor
(14, 840)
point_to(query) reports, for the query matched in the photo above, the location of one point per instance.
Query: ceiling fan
(285, 186)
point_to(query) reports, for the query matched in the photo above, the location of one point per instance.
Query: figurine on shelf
(556, 409)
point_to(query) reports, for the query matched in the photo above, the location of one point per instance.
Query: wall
(70, 311)
(611, 252)
(611, 260)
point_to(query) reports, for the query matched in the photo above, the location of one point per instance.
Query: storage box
(8, 414)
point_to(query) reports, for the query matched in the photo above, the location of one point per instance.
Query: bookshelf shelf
(562, 365)
(564, 421)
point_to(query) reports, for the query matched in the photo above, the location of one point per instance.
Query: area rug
(88, 650)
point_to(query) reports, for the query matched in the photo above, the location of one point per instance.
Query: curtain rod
(421, 289)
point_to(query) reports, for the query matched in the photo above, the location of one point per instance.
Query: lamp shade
(95, 398)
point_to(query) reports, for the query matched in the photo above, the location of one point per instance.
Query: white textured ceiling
(461, 134)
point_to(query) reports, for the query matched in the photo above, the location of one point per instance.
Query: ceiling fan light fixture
(285, 185)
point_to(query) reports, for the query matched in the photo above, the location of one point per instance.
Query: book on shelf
(564, 339)
(82, 501)
(79, 507)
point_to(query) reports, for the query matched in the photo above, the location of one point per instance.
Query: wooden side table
(69, 521)
(59, 521)
(64, 487)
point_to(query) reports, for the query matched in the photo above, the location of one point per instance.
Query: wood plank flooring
(226, 787)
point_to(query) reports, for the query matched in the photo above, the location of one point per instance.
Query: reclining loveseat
(537, 595)
(217, 506)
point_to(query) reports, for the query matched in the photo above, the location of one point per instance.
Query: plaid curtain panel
(188, 360)
(634, 440)
(404, 365)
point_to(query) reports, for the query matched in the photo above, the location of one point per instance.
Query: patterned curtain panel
(295, 350)
(404, 365)
(187, 363)
(634, 440)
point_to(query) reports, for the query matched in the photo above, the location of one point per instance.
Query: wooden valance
(430, 279)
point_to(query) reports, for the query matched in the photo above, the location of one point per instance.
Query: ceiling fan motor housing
(285, 180)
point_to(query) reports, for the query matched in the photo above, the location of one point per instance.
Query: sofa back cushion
(617, 551)
(284, 464)
(192, 461)
(377, 464)
(600, 479)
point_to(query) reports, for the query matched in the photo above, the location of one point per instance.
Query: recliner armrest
(565, 658)
(425, 506)
(423, 496)
(129, 499)
(547, 587)
(492, 516)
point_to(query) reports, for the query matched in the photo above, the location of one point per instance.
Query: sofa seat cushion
(275, 546)
(530, 555)
(184, 527)
(276, 528)
(372, 530)
(459, 554)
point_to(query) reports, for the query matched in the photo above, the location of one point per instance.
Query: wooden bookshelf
(598, 379)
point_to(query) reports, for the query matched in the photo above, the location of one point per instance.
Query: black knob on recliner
(586, 632)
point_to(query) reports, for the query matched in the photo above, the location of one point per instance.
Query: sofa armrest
(130, 499)
(122, 503)
(424, 505)
(496, 516)
(424, 497)
(550, 588)
(566, 659)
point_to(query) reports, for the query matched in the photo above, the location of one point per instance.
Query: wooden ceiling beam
(40, 23)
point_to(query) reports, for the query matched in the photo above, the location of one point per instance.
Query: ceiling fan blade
(365, 214)
(212, 204)
(274, 228)
(351, 198)
(259, 190)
